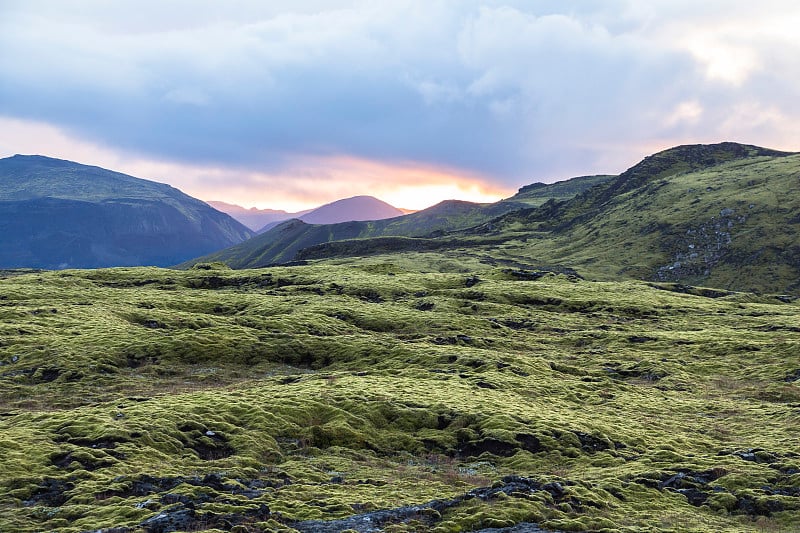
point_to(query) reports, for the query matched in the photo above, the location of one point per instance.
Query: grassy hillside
(428, 394)
(732, 224)
(27, 177)
(281, 243)
(722, 215)
(538, 194)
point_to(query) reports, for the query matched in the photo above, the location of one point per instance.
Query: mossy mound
(265, 400)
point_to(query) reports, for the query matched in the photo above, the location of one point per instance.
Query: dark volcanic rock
(180, 519)
(424, 306)
(144, 486)
(696, 291)
(530, 443)
(526, 275)
(696, 487)
(455, 339)
(430, 513)
(641, 339)
(592, 444)
(792, 376)
(63, 460)
(472, 281)
(50, 492)
(187, 514)
(756, 455)
(488, 445)
(636, 371)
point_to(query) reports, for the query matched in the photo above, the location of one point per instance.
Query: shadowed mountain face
(60, 214)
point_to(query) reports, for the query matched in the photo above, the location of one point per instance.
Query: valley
(612, 354)
(399, 267)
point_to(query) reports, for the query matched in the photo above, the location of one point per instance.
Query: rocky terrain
(373, 395)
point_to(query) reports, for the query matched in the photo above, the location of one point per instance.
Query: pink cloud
(302, 183)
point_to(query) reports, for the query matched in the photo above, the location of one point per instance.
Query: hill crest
(27, 177)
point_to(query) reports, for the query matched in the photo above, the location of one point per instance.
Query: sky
(291, 104)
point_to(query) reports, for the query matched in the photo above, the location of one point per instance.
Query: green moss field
(394, 393)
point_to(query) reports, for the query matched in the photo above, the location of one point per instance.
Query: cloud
(514, 91)
(188, 96)
(302, 183)
(688, 112)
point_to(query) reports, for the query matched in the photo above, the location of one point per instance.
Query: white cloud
(435, 92)
(519, 89)
(302, 183)
(767, 120)
(188, 96)
(688, 112)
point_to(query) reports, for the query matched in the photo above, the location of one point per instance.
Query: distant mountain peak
(228, 208)
(283, 242)
(729, 149)
(355, 208)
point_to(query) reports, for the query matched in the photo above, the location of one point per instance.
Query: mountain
(345, 210)
(466, 388)
(281, 243)
(58, 214)
(254, 218)
(537, 194)
(356, 208)
(723, 215)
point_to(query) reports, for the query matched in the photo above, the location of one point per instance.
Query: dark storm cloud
(506, 89)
